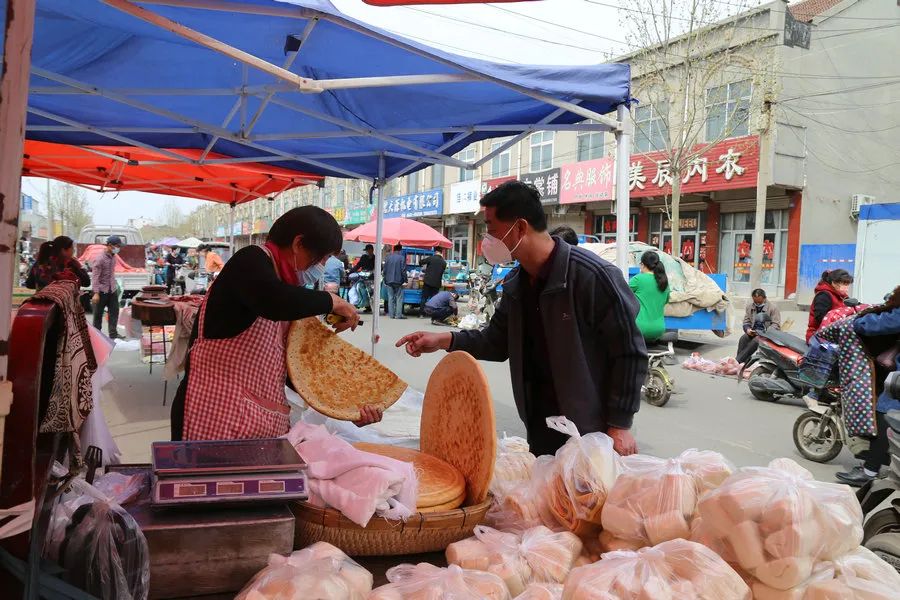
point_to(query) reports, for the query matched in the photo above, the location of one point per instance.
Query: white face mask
(115, 250)
(495, 251)
(311, 275)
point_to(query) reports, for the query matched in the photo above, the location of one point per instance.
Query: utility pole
(763, 179)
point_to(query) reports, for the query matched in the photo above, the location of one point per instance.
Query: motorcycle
(880, 499)
(363, 288)
(819, 433)
(484, 295)
(657, 388)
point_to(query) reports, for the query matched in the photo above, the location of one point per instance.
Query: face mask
(115, 250)
(311, 275)
(495, 251)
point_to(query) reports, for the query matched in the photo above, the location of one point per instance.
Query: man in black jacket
(566, 323)
(434, 266)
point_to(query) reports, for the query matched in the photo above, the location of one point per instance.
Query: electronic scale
(226, 472)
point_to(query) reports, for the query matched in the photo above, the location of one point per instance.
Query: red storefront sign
(587, 181)
(729, 165)
(489, 184)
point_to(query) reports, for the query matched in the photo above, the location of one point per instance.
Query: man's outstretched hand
(623, 442)
(421, 342)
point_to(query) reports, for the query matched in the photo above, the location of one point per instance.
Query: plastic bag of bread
(654, 500)
(318, 572)
(586, 468)
(537, 555)
(527, 504)
(512, 467)
(674, 570)
(541, 591)
(778, 522)
(428, 582)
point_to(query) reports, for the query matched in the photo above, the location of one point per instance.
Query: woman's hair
(50, 250)
(321, 233)
(837, 276)
(651, 260)
(892, 302)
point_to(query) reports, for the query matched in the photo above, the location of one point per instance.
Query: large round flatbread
(440, 482)
(458, 423)
(335, 377)
(453, 504)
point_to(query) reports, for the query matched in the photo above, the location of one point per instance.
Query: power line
(851, 131)
(840, 91)
(839, 169)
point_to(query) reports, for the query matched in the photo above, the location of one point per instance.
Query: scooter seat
(669, 336)
(893, 420)
(787, 340)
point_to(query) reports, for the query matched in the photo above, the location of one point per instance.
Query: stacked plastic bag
(654, 500)
(584, 472)
(675, 570)
(775, 523)
(541, 591)
(428, 582)
(318, 572)
(539, 555)
(526, 504)
(512, 467)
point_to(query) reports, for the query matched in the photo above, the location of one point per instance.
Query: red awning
(400, 231)
(117, 168)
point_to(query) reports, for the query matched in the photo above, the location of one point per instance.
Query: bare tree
(683, 76)
(68, 205)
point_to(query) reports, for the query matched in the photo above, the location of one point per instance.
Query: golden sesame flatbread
(440, 482)
(458, 423)
(335, 377)
(453, 504)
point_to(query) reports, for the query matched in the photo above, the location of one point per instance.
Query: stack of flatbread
(441, 485)
(335, 377)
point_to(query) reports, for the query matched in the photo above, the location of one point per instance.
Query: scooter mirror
(851, 302)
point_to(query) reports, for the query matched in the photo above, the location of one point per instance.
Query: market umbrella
(190, 242)
(169, 241)
(400, 231)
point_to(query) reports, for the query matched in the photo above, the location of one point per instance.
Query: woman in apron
(236, 372)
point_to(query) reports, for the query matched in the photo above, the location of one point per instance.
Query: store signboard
(236, 228)
(220, 231)
(422, 204)
(260, 226)
(465, 197)
(587, 181)
(358, 215)
(245, 228)
(728, 165)
(546, 183)
(490, 184)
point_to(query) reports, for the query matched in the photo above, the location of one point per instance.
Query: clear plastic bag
(675, 570)
(542, 591)
(539, 555)
(777, 522)
(428, 582)
(526, 505)
(586, 469)
(318, 572)
(98, 544)
(654, 500)
(512, 467)
(122, 488)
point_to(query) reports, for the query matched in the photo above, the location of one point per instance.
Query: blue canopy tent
(298, 84)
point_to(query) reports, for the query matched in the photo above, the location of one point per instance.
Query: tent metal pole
(521, 136)
(379, 243)
(623, 203)
(231, 228)
(305, 135)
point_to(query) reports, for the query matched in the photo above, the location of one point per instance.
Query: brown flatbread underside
(440, 483)
(335, 377)
(458, 423)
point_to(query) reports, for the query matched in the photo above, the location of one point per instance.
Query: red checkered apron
(236, 385)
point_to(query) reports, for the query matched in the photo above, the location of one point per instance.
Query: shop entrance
(692, 233)
(737, 245)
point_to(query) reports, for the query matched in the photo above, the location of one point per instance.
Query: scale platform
(226, 472)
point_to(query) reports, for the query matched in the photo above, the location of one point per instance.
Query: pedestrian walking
(394, 278)
(106, 295)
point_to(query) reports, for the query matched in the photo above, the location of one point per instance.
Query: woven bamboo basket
(423, 532)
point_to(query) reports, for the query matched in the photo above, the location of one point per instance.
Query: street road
(705, 412)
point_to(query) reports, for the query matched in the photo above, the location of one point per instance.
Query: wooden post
(18, 29)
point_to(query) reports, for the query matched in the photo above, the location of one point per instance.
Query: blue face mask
(311, 275)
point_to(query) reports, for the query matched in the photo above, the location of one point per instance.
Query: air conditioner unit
(858, 200)
(560, 209)
(451, 220)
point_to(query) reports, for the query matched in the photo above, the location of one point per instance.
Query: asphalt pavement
(705, 412)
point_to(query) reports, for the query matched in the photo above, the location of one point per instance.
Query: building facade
(814, 76)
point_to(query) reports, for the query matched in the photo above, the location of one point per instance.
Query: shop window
(728, 110)
(500, 164)
(737, 239)
(541, 151)
(650, 130)
(605, 228)
(469, 155)
(590, 144)
(692, 231)
(412, 183)
(437, 177)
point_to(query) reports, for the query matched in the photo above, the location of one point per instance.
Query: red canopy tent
(400, 231)
(117, 168)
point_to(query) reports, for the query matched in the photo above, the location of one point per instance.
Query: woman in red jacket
(830, 293)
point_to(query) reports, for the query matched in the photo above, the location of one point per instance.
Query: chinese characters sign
(464, 197)
(731, 164)
(547, 184)
(422, 204)
(489, 184)
(588, 181)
